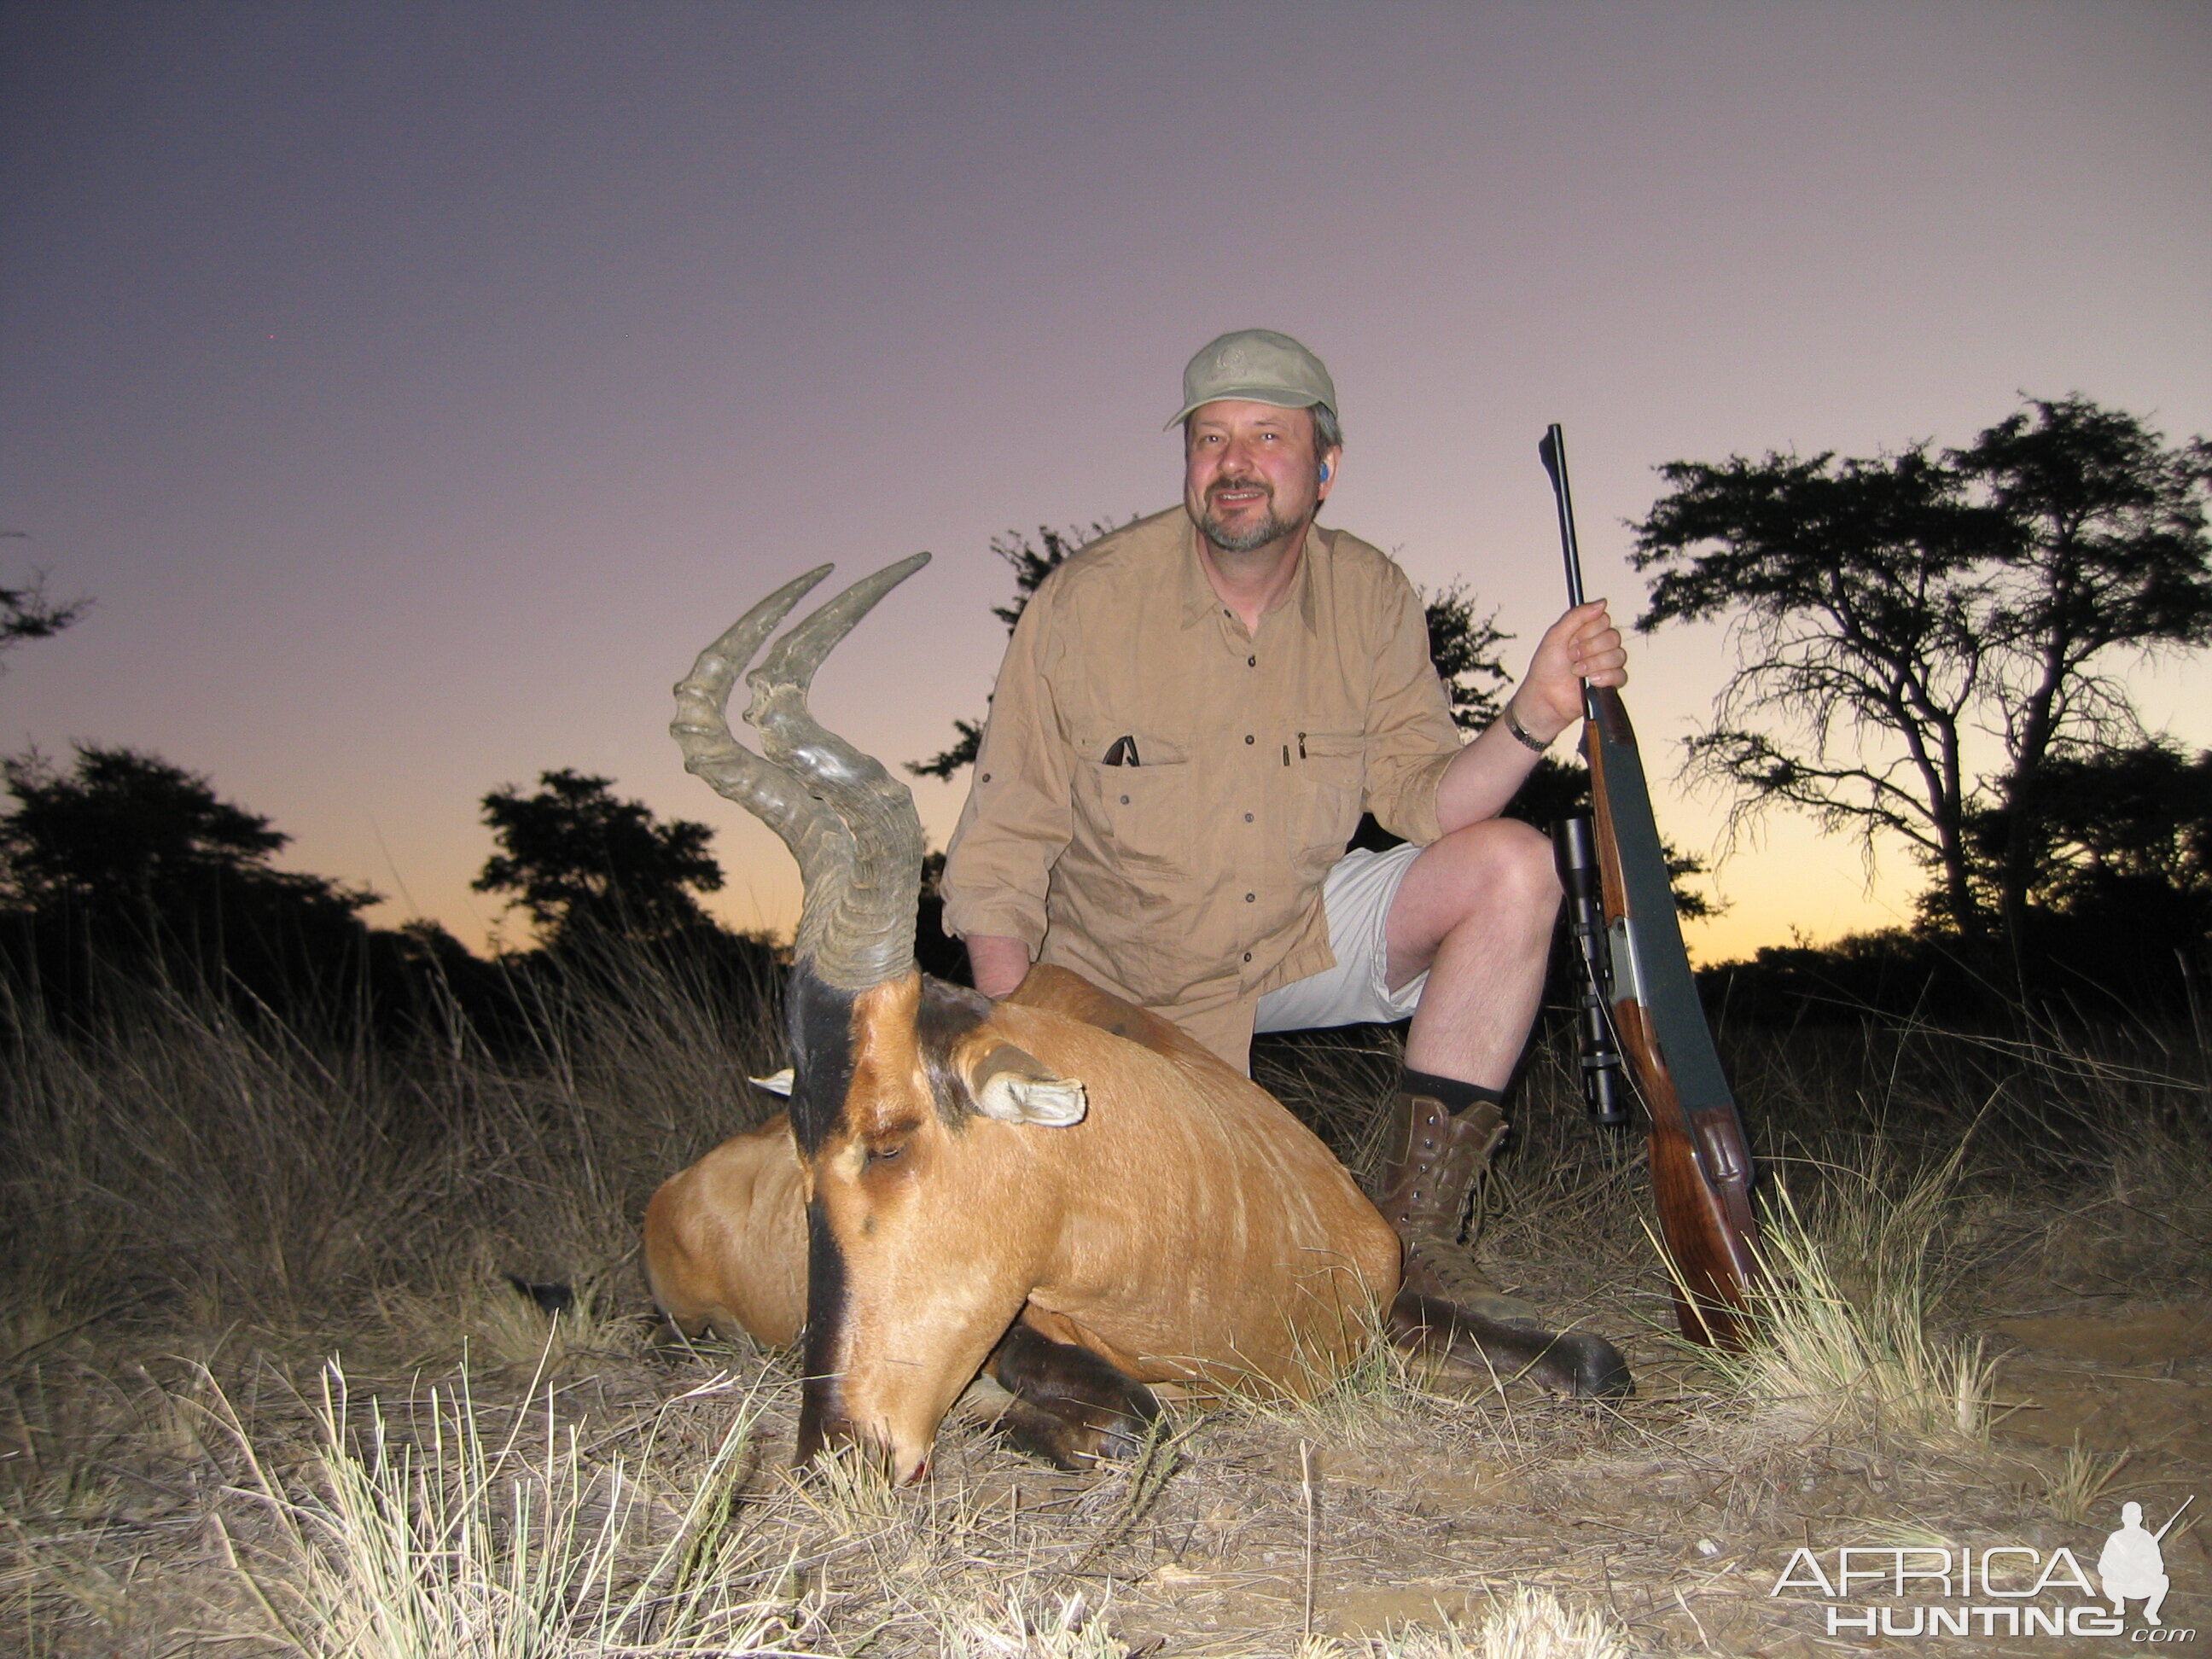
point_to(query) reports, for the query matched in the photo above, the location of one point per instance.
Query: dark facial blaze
(821, 1418)
(820, 1029)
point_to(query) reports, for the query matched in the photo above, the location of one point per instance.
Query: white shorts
(1357, 897)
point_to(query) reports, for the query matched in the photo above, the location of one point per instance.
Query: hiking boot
(1435, 1160)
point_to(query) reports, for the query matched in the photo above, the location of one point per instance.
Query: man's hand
(998, 965)
(1483, 777)
(1583, 645)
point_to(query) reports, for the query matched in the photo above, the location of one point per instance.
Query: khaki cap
(1258, 366)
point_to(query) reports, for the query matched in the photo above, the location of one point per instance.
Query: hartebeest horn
(701, 726)
(850, 824)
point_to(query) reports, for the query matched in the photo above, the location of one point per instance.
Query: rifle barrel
(2158, 1536)
(1554, 450)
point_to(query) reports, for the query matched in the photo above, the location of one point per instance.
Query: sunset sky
(416, 388)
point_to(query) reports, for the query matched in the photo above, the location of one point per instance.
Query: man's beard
(1268, 529)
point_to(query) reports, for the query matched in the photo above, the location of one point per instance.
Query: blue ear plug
(1324, 475)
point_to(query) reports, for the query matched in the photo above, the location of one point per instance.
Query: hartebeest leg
(1070, 1407)
(1580, 1364)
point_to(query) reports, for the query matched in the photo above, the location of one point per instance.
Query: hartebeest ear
(1015, 1086)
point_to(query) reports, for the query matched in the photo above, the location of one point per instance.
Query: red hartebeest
(1060, 1189)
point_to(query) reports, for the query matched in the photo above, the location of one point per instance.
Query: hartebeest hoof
(1577, 1363)
(1070, 1407)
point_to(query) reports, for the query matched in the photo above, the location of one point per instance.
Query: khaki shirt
(1189, 881)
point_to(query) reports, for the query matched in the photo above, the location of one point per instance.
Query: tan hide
(725, 1241)
(1189, 1227)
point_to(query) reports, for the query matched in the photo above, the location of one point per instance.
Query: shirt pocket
(1328, 776)
(1142, 814)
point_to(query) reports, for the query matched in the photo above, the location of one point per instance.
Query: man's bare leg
(1476, 910)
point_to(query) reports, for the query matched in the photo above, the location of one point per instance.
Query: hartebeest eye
(887, 1143)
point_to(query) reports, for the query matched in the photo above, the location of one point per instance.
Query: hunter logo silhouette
(2131, 1565)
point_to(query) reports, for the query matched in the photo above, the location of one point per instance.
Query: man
(1192, 715)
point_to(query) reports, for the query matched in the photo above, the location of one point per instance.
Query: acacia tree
(128, 860)
(580, 860)
(121, 827)
(2127, 834)
(128, 832)
(26, 613)
(1464, 648)
(1919, 636)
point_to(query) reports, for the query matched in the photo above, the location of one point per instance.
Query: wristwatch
(1521, 735)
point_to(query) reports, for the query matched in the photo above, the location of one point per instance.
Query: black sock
(1456, 1096)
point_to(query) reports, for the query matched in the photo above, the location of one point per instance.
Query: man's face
(1250, 473)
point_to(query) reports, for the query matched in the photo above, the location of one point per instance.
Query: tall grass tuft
(182, 1146)
(2071, 1492)
(1532, 1622)
(454, 1542)
(1842, 1337)
(1006, 1626)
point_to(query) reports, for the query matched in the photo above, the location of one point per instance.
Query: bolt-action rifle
(1640, 1007)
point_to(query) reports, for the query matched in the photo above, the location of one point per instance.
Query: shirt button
(1248, 956)
(1249, 737)
(1125, 800)
(1251, 662)
(987, 777)
(1251, 898)
(1248, 817)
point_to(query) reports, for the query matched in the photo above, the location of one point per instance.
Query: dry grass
(1529, 1623)
(1844, 1340)
(2076, 1487)
(454, 1539)
(264, 1386)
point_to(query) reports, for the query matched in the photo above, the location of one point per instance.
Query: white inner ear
(1053, 1102)
(776, 1083)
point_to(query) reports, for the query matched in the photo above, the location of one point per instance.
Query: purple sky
(418, 388)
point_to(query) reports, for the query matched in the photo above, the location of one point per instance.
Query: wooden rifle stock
(1701, 1170)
